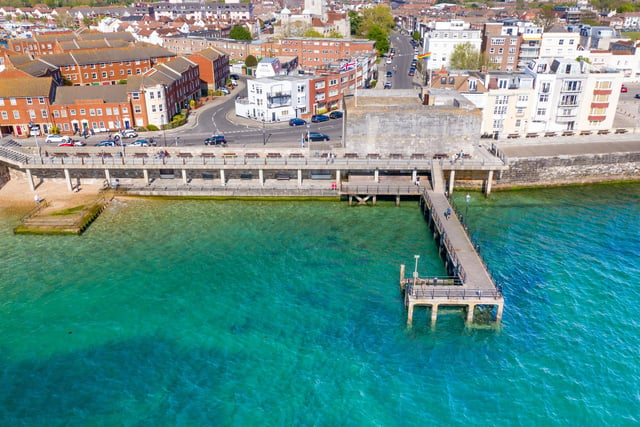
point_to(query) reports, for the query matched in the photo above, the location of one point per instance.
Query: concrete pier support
(107, 176)
(261, 177)
(452, 178)
(184, 176)
(487, 187)
(299, 178)
(145, 173)
(470, 309)
(338, 178)
(376, 175)
(67, 178)
(499, 313)
(414, 175)
(32, 186)
(434, 314)
(223, 181)
(409, 314)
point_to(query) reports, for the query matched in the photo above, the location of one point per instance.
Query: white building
(275, 99)
(443, 37)
(268, 67)
(560, 43)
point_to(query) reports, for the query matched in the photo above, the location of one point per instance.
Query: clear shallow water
(256, 313)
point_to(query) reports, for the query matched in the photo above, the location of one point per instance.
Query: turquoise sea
(236, 313)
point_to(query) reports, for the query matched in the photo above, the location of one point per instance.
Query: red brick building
(25, 103)
(214, 67)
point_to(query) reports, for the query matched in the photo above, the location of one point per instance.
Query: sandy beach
(16, 197)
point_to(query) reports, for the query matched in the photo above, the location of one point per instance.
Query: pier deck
(470, 284)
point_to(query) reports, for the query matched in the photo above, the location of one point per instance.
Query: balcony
(599, 105)
(602, 92)
(598, 118)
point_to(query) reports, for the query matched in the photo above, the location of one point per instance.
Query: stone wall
(4, 175)
(565, 170)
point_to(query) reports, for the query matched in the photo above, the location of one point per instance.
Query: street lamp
(415, 271)
(264, 135)
(164, 132)
(309, 136)
(466, 210)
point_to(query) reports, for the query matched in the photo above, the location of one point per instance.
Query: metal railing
(380, 189)
(452, 292)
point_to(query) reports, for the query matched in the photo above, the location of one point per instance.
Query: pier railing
(451, 292)
(380, 189)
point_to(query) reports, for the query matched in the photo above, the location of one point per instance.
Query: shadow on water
(140, 376)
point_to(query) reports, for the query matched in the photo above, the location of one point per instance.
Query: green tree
(466, 57)
(312, 33)
(547, 17)
(355, 21)
(378, 16)
(334, 34)
(251, 61)
(416, 36)
(240, 32)
(381, 38)
(627, 7)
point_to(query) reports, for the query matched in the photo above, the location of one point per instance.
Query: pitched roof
(96, 56)
(107, 93)
(25, 87)
(209, 53)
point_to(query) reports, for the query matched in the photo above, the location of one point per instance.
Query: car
(389, 73)
(107, 143)
(234, 77)
(72, 144)
(389, 60)
(412, 72)
(319, 118)
(56, 139)
(387, 85)
(128, 133)
(225, 90)
(215, 140)
(335, 115)
(297, 122)
(316, 136)
(637, 95)
(624, 89)
(142, 143)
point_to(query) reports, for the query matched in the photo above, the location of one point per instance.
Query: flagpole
(356, 80)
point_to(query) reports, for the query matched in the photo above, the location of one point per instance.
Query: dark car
(389, 73)
(387, 85)
(234, 77)
(297, 122)
(316, 136)
(637, 95)
(107, 143)
(215, 140)
(319, 118)
(336, 115)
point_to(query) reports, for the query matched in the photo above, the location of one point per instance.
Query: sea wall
(564, 170)
(4, 175)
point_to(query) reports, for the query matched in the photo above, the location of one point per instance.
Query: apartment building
(508, 103)
(25, 105)
(572, 95)
(275, 99)
(501, 45)
(442, 37)
(558, 42)
(214, 67)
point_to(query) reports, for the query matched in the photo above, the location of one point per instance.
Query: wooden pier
(469, 284)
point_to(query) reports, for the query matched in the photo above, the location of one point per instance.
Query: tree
(380, 37)
(251, 61)
(240, 32)
(416, 36)
(334, 34)
(312, 33)
(355, 22)
(466, 57)
(547, 17)
(378, 16)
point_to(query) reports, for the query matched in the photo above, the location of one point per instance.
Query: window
(83, 112)
(92, 112)
(41, 100)
(492, 50)
(541, 111)
(153, 108)
(94, 76)
(500, 51)
(498, 123)
(135, 96)
(333, 82)
(523, 98)
(44, 114)
(497, 42)
(66, 126)
(29, 101)
(115, 110)
(99, 111)
(16, 114)
(92, 66)
(5, 116)
(320, 85)
(137, 109)
(546, 86)
(63, 113)
(32, 114)
(86, 75)
(603, 85)
(12, 101)
(572, 85)
(151, 95)
(72, 112)
(125, 110)
(571, 41)
(518, 123)
(500, 110)
(473, 84)
(128, 72)
(1, 101)
(600, 98)
(104, 74)
(569, 100)
(513, 42)
(56, 114)
(503, 83)
(502, 100)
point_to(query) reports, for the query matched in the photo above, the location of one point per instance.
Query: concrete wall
(4, 175)
(399, 123)
(570, 170)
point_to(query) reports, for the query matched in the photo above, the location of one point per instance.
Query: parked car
(142, 143)
(319, 118)
(316, 136)
(215, 140)
(389, 73)
(128, 133)
(624, 89)
(56, 139)
(335, 115)
(234, 77)
(637, 95)
(297, 122)
(389, 60)
(72, 144)
(107, 143)
(225, 91)
(387, 85)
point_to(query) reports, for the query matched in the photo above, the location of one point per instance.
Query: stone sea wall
(564, 170)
